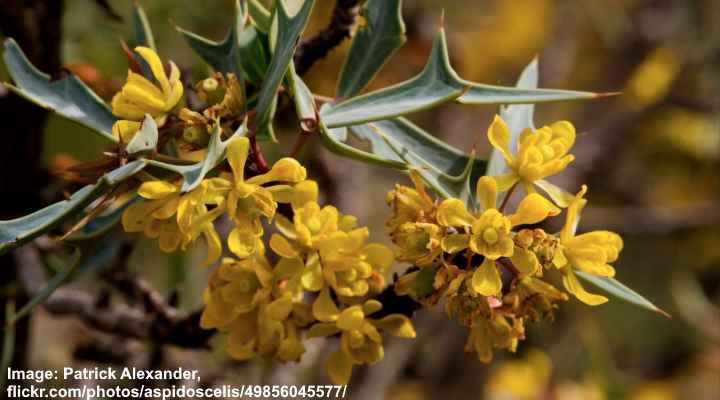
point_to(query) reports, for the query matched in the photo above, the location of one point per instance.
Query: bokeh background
(651, 158)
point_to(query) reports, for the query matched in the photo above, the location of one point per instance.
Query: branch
(320, 44)
(168, 327)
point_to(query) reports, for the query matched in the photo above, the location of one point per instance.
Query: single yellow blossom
(419, 242)
(540, 154)
(250, 199)
(588, 252)
(489, 233)
(235, 287)
(139, 96)
(410, 204)
(360, 337)
(178, 219)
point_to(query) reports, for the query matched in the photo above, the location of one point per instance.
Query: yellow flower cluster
(491, 270)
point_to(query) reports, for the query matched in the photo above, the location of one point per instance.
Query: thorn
(442, 19)
(607, 94)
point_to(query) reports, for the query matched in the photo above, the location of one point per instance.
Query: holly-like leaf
(284, 37)
(619, 290)
(145, 139)
(373, 45)
(261, 17)
(304, 102)
(102, 223)
(16, 232)
(68, 97)
(194, 174)
(222, 56)
(141, 28)
(400, 144)
(436, 84)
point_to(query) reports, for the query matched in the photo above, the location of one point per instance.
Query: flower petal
(237, 153)
(157, 189)
(339, 367)
(455, 242)
(351, 319)
(499, 136)
(525, 261)
(242, 243)
(452, 212)
(533, 209)
(324, 308)
(556, 193)
(572, 284)
(486, 192)
(397, 325)
(282, 246)
(486, 279)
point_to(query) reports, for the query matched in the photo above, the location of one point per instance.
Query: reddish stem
(257, 156)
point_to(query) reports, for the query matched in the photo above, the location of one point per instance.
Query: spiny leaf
(68, 97)
(304, 102)
(101, 223)
(222, 56)
(15, 232)
(399, 144)
(145, 139)
(436, 84)
(141, 28)
(55, 282)
(260, 15)
(372, 46)
(284, 36)
(194, 174)
(617, 289)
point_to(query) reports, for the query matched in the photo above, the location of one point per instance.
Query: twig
(257, 156)
(319, 45)
(169, 327)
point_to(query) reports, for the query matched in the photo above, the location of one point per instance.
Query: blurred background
(650, 157)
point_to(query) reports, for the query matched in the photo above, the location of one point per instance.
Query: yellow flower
(139, 96)
(523, 379)
(419, 242)
(250, 199)
(589, 252)
(540, 154)
(267, 330)
(154, 216)
(489, 233)
(491, 332)
(410, 204)
(360, 337)
(236, 287)
(349, 264)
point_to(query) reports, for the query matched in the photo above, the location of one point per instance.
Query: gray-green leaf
(194, 174)
(436, 84)
(68, 97)
(283, 40)
(617, 289)
(16, 232)
(145, 139)
(372, 46)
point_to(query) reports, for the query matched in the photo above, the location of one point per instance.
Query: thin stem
(257, 156)
(299, 144)
(507, 197)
